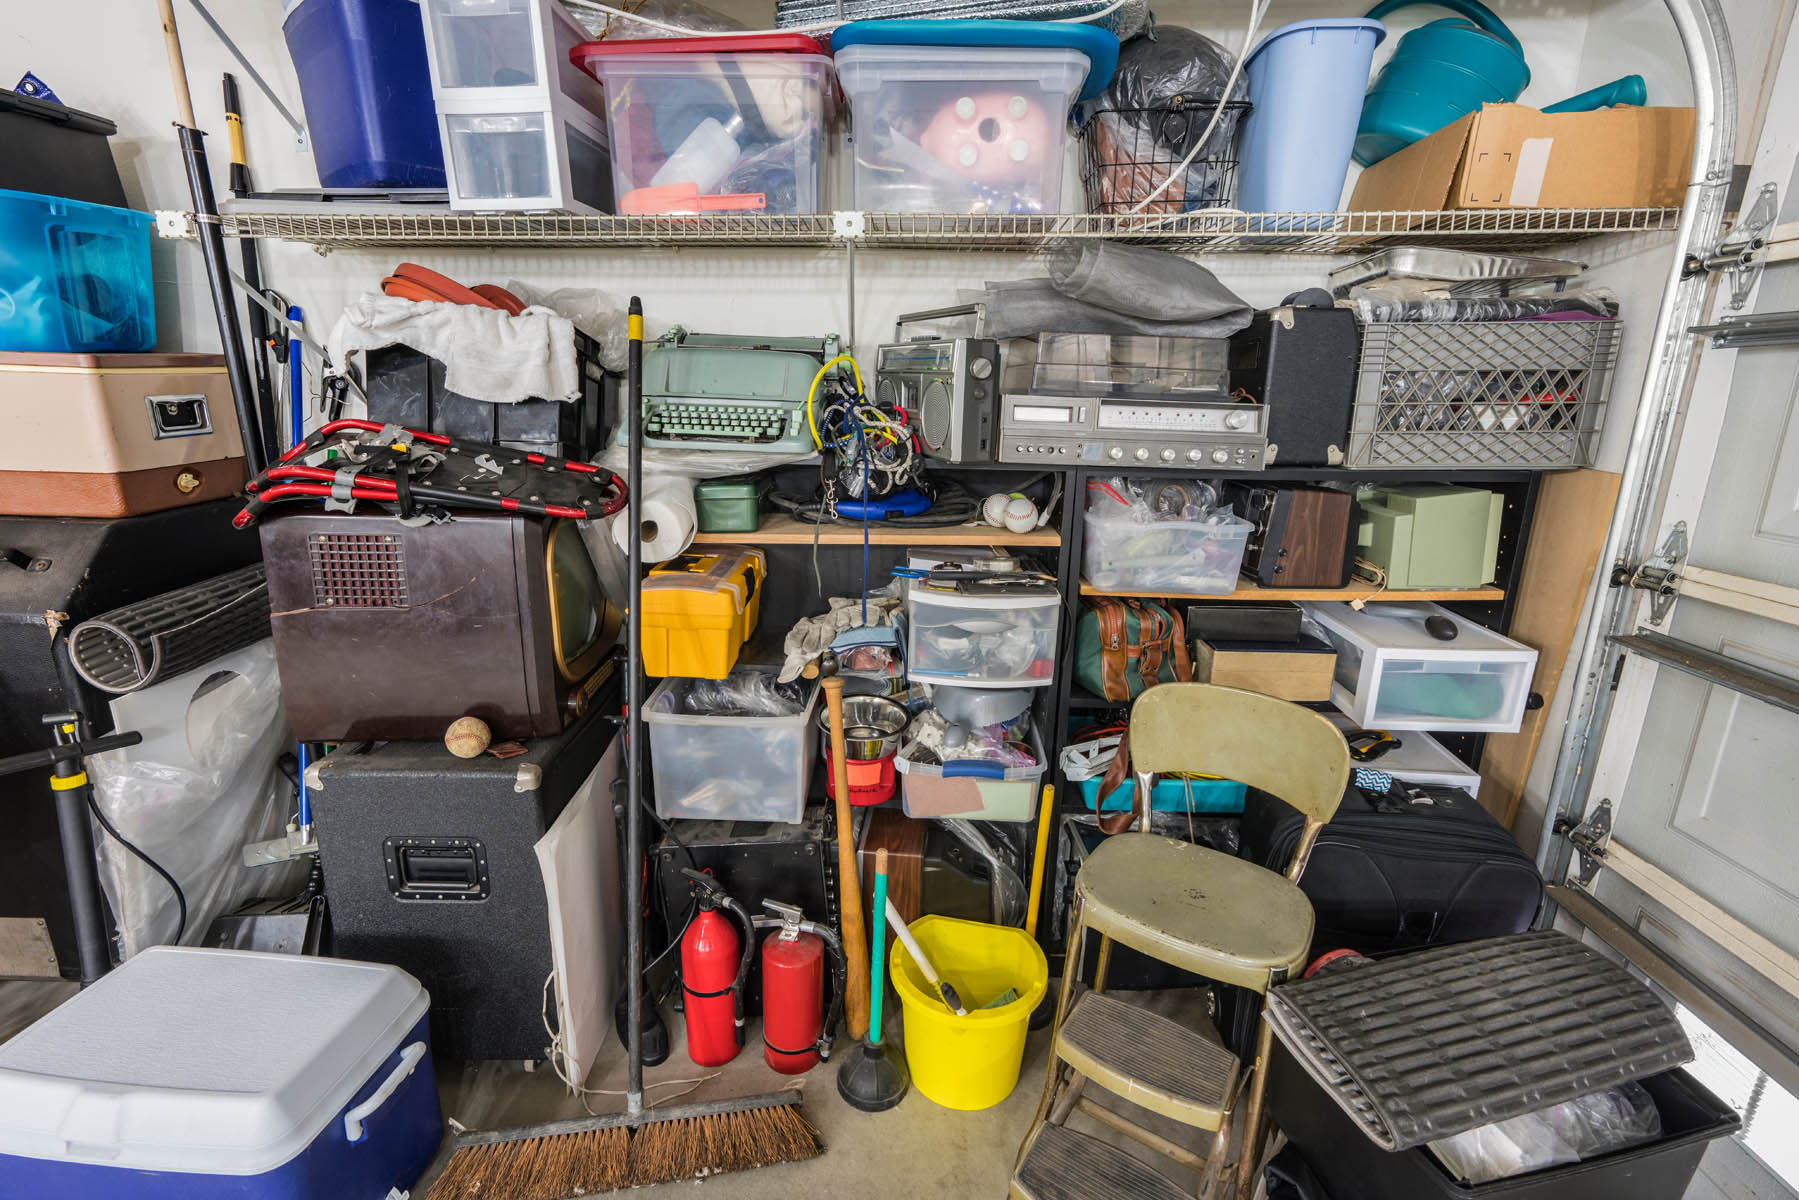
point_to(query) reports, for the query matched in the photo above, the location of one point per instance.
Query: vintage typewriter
(713, 391)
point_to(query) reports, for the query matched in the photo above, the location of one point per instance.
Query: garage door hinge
(1741, 253)
(1660, 575)
(1589, 839)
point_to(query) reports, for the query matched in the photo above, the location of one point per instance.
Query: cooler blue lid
(1350, 23)
(1099, 45)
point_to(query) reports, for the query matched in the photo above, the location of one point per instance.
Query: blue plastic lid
(1099, 45)
(1352, 23)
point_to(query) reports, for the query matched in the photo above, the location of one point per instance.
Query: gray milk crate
(1516, 394)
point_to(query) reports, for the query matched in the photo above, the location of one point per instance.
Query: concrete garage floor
(916, 1149)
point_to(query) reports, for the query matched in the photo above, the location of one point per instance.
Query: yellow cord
(818, 442)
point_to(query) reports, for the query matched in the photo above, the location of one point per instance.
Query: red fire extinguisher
(715, 962)
(796, 1021)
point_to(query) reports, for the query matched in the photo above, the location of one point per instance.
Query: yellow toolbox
(699, 609)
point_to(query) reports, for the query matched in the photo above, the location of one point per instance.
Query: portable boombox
(947, 389)
(387, 630)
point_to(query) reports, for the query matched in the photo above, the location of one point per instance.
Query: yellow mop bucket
(968, 1062)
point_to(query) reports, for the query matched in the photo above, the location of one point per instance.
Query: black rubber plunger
(873, 1076)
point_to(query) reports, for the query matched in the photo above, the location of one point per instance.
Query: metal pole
(634, 725)
(1704, 36)
(212, 249)
(258, 324)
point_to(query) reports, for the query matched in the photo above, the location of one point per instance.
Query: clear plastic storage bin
(974, 789)
(1393, 674)
(965, 116)
(715, 124)
(719, 768)
(982, 641)
(74, 277)
(1177, 558)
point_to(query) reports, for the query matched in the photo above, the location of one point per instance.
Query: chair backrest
(1271, 745)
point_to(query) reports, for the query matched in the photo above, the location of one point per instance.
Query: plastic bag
(1006, 893)
(592, 312)
(1407, 300)
(1563, 1133)
(203, 784)
(743, 694)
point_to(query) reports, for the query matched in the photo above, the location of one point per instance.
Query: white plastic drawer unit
(1393, 673)
(1003, 640)
(1420, 758)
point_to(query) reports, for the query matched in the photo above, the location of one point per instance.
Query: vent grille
(357, 570)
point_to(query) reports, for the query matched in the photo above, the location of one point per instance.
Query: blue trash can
(366, 87)
(1305, 82)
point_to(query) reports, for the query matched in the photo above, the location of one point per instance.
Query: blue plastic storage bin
(193, 1074)
(366, 87)
(1171, 795)
(1305, 82)
(74, 277)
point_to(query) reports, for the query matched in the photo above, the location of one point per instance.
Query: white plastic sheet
(202, 784)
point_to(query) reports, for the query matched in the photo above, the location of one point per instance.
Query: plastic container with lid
(729, 768)
(74, 277)
(366, 88)
(715, 124)
(966, 116)
(1176, 558)
(975, 789)
(191, 1074)
(1392, 673)
(1005, 640)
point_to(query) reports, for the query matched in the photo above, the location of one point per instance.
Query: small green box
(1431, 536)
(729, 505)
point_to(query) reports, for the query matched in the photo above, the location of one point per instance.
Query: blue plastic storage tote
(74, 277)
(204, 1074)
(1305, 84)
(366, 87)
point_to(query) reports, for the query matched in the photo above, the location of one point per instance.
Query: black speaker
(56, 572)
(429, 865)
(1301, 362)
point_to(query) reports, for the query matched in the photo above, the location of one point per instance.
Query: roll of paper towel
(669, 519)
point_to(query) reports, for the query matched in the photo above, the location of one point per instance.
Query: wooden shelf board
(782, 530)
(1369, 591)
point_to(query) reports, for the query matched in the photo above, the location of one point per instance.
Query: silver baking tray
(1460, 272)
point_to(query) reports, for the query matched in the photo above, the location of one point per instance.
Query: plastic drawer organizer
(982, 641)
(723, 768)
(1392, 674)
(1496, 394)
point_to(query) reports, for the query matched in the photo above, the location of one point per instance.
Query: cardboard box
(1299, 672)
(1511, 156)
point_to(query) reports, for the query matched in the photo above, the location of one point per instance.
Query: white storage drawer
(982, 641)
(1421, 759)
(1392, 674)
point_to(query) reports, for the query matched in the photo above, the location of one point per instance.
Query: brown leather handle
(1117, 772)
(849, 886)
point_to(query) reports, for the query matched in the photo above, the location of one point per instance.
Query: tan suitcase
(114, 435)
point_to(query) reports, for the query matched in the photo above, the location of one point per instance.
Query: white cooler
(203, 1074)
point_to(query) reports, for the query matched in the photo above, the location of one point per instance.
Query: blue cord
(863, 438)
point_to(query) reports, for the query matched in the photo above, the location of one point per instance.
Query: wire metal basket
(1126, 153)
(1513, 394)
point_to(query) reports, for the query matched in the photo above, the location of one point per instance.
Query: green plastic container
(729, 505)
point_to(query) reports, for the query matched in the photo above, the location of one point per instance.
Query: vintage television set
(385, 629)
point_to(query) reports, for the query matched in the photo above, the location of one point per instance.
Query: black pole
(224, 301)
(634, 724)
(256, 320)
(68, 779)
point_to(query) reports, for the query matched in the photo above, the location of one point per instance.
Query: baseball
(1020, 515)
(994, 510)
(467, 737)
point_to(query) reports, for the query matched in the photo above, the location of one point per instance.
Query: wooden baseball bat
(849, 887)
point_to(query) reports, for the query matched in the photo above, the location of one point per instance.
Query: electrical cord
(952, 505)
(180, 896)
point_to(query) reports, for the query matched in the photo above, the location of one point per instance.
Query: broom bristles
(604, 1160)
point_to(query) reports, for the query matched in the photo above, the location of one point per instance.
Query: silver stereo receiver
(948, 390)
(1060, 430)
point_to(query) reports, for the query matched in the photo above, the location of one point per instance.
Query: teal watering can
(1445, 70)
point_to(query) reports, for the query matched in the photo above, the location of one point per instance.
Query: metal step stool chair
(1220, 917)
